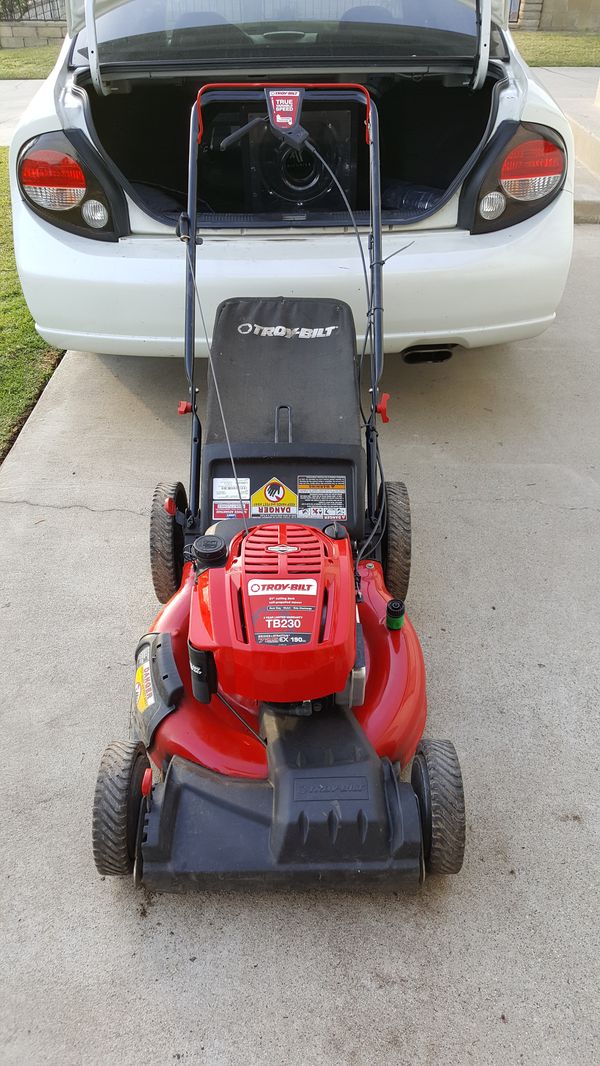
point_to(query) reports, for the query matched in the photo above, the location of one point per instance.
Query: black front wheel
(437, 781)
(117, 805)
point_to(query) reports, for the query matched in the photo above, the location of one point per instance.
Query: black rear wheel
(437, 781)
(166, 540)
(396, 543)
(117, 804)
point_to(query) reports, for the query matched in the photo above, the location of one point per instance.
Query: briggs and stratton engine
(276, 623)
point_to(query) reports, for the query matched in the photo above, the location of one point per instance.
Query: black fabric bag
(283, 351)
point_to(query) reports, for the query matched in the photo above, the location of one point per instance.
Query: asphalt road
(500, 965)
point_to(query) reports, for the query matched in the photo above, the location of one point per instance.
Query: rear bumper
(446, 286)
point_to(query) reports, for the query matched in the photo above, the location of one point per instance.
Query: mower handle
(239, 91)
(223, 88)
(243, 130)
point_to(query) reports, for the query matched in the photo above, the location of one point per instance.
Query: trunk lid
(210, 34)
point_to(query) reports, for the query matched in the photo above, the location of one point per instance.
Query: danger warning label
(144, 691)
(322, 496)
(274, 498)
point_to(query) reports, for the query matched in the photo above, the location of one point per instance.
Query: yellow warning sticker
(144, 690)
(274, 498)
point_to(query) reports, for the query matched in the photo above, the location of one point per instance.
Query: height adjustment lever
(382, 407)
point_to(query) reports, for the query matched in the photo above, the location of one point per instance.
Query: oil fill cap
(209, 550)
(395, 614)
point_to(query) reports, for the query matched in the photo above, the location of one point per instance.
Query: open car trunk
(431, 129)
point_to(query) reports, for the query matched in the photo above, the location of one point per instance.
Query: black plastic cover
(203, 672)
(287, 377)
(158, 686)
(258, 462)
(330, 810)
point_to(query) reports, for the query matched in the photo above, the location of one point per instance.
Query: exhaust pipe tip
(428, 353)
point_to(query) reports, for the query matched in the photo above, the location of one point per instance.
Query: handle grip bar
(243, 130)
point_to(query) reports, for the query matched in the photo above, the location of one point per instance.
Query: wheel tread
(110, 828)
(448, 827)
(166, 560)
(397, 542)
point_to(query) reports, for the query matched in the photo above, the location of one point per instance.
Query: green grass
(27, 63)
(26, 361)
(559, 49)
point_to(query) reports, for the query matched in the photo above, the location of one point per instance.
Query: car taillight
(532, 169)
(521, 171)
(64, 180)
(51, 179)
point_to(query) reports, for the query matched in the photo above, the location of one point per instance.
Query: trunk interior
(430, 127)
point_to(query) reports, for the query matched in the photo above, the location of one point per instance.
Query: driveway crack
(74, 507)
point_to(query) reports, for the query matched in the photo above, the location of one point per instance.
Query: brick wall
(529, 15)
(28, 34)
(574, 15)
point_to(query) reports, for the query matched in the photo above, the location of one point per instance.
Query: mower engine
(273, 619)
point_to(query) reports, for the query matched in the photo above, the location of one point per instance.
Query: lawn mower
(280, 692)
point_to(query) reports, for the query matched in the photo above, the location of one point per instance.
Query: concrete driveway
(501, 451)
(14, 98)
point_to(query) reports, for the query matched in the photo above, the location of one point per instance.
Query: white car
(477, 172)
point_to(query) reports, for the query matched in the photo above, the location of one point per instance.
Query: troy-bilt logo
(283, 588)
(284, 331)
(284, 106)
(282, 549)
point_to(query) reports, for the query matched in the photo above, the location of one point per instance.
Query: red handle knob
(184, 408)
(382, 407)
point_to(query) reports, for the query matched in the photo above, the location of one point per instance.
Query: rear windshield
(253, 32)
